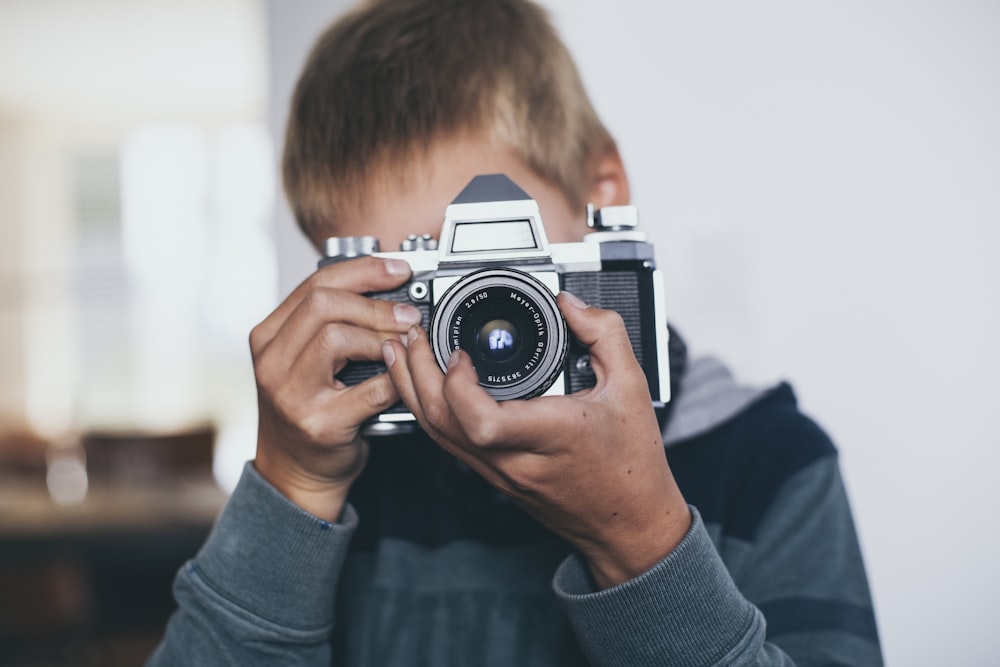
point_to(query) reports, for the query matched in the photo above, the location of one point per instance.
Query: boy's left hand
(590, 466)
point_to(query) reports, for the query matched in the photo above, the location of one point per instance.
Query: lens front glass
(498, 339)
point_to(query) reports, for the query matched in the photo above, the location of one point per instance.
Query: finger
(489, 423)
(333, 414)
(418, 379)
(364, 274)
(397, 361)
(602, 331)
(328, 352)
(394, 356)
(442, 424)
(477, 413)
(364, 400)
(319, 315)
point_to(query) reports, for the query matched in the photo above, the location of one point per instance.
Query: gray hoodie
(770, 572)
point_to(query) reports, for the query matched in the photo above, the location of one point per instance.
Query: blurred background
(822, 183)
(137, 191)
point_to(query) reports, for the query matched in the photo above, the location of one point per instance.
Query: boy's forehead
(391, 203)
(410, 195)
(390, 206)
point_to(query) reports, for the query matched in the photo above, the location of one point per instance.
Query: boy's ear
(608, 182)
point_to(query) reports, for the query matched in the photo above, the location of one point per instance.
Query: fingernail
(396, 267)
(413, 333)
(404, 339)
(405, 313)
(573, 300)
(388, 354)
(453, 360)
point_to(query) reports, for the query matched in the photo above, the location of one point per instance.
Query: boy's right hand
(309, 444)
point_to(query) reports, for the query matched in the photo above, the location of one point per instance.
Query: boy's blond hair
(393, 76)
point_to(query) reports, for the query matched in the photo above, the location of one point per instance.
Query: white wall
(822, 181)
(291, 31)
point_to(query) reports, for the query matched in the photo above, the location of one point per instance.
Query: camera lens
(509, 324)
(498, 339)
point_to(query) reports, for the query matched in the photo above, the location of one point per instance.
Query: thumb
(603, 331)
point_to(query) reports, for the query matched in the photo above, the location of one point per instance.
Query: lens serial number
(497, 379)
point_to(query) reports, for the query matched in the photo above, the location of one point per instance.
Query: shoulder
(733, 448)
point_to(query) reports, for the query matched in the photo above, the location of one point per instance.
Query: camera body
(488, 287)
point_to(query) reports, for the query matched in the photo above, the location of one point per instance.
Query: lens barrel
(509, 324)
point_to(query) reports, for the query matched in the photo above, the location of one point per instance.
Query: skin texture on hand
(309, 445)
(590, 466)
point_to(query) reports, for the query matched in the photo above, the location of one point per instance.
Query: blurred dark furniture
(90, 584)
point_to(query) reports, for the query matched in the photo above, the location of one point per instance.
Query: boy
(558, 530)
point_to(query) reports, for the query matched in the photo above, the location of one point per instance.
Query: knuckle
(611, 319)
(612, 327)
(521, 475)
(379, 312)
(483, 433)
(331, 337)
(367, 263)
(265, 372)
(285, 405)
(313, 428)
(436, 414)
(257, 340)
(318, 299)
(332, 271)
(366, 268)
(381, 394)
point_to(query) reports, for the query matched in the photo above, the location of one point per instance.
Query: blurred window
(137, 186)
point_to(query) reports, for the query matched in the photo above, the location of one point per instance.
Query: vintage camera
(488, 285)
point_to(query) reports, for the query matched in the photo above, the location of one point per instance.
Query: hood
(708, 396)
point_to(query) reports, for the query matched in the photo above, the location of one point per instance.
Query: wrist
(323, 499)
(626, 554)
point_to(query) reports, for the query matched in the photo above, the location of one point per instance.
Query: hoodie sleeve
(796, 595)
(686, 610)
(236, 607)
